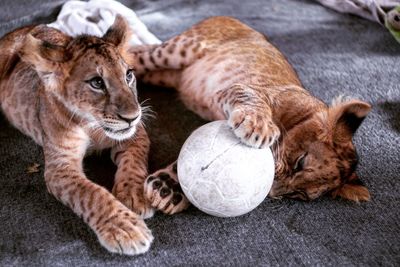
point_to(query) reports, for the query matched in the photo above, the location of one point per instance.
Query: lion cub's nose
(129, 118)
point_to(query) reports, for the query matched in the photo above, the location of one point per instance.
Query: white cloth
(374, 10)
(96, 16)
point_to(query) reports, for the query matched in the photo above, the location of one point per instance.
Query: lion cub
(223, 69)
(73, 95)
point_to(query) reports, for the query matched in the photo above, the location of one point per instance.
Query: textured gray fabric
(333, 53)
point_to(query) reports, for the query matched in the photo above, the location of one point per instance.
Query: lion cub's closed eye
(223, 69)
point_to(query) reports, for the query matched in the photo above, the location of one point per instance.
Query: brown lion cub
(73, 95)
(223, 69)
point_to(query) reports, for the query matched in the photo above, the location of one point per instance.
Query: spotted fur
(74, 95)
(223, 69)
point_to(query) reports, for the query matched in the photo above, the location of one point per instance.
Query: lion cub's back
(234, 53)
(227, 40)
(220, 30)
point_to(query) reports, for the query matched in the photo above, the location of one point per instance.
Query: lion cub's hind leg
(164, 78)
(162, 189)
(177, 53)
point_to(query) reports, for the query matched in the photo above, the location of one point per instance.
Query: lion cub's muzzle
(123, 126)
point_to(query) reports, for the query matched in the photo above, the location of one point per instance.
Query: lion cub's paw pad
(165, 193)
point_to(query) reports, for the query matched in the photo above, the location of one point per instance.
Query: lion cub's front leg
(248, 114)
(118, 228)
(131, 158)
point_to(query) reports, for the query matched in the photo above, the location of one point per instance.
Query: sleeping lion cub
(73, 95)
(223, 69)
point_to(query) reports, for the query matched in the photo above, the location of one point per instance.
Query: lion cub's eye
(129, 76)
(299, 165)
(97, 83)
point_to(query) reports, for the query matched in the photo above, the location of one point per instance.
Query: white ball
(222, 176)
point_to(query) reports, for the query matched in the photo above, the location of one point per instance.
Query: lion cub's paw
(164, 192)
(133, 198)
(252, 128)
(125, 233)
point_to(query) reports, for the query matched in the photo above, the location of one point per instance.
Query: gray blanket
(333, 53)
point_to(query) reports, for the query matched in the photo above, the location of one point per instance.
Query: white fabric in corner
(96, 16)
(374, 10)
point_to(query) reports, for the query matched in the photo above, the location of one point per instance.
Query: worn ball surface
(222, 176)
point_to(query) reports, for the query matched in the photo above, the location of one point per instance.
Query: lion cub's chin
(120, 135)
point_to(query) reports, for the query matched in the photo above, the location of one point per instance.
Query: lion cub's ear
(45, 52)
(347, 117)
(352, 190)
(119, 34)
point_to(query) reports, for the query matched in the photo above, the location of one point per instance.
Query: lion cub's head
(318, 156)
(88, 76)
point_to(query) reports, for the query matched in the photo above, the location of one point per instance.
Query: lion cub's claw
(253, 128)
(133, 199)
(125, 233)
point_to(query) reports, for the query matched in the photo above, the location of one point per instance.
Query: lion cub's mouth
(120, 134)
(118, 130)
(121, 131)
